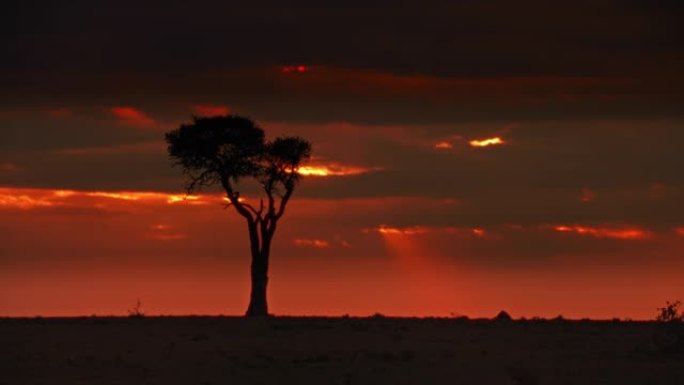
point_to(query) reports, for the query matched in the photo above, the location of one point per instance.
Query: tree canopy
(221, 150)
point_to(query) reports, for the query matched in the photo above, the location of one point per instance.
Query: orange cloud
(131, 116)
(487, 142)
(210, 110)
(315, 243)
(680, 231)
(389, 230)
(333, 169)
(605, 232)
(25, 199)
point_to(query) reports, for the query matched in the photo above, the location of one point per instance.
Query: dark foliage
(671, 312)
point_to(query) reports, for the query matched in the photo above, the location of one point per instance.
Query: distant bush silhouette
(503, 316)
(223, 150)
(669, 336)
(136, 311)
(671, 312)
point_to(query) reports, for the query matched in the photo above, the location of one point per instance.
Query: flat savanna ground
(377, 350)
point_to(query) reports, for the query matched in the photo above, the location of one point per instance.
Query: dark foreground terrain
(377, 350)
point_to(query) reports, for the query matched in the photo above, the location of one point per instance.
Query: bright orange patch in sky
(332, 169)
(22, 201)
(605, 232)
(487, 142)
(23, 198)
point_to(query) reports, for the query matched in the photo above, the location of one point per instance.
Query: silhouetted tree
(222, 150)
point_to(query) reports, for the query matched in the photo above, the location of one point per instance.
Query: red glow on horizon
(605, 232)
(443, 146)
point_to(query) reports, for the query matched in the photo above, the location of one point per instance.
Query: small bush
(671, 312)
(136, 311)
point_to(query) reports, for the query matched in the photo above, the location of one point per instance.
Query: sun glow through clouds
(332, 170)
(487, 142)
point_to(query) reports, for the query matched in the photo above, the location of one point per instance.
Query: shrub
(671, 312)
(136, 311)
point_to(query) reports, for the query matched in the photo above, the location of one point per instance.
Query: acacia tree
(222, 151)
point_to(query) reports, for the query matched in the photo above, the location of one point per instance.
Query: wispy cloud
(625, 233)
(334, 169)
(443, 145)
(386, 230)
(132, 116)
(312, 243)
(26, 198)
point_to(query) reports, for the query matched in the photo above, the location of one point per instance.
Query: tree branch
(198, 181)
(283, 201)
(257, 213)
(234, 198)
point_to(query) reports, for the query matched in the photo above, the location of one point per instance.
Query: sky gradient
(476, 156)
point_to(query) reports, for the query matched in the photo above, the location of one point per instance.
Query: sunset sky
(469, 156)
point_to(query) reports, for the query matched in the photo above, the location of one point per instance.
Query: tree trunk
(260, 245)
(258, 306)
